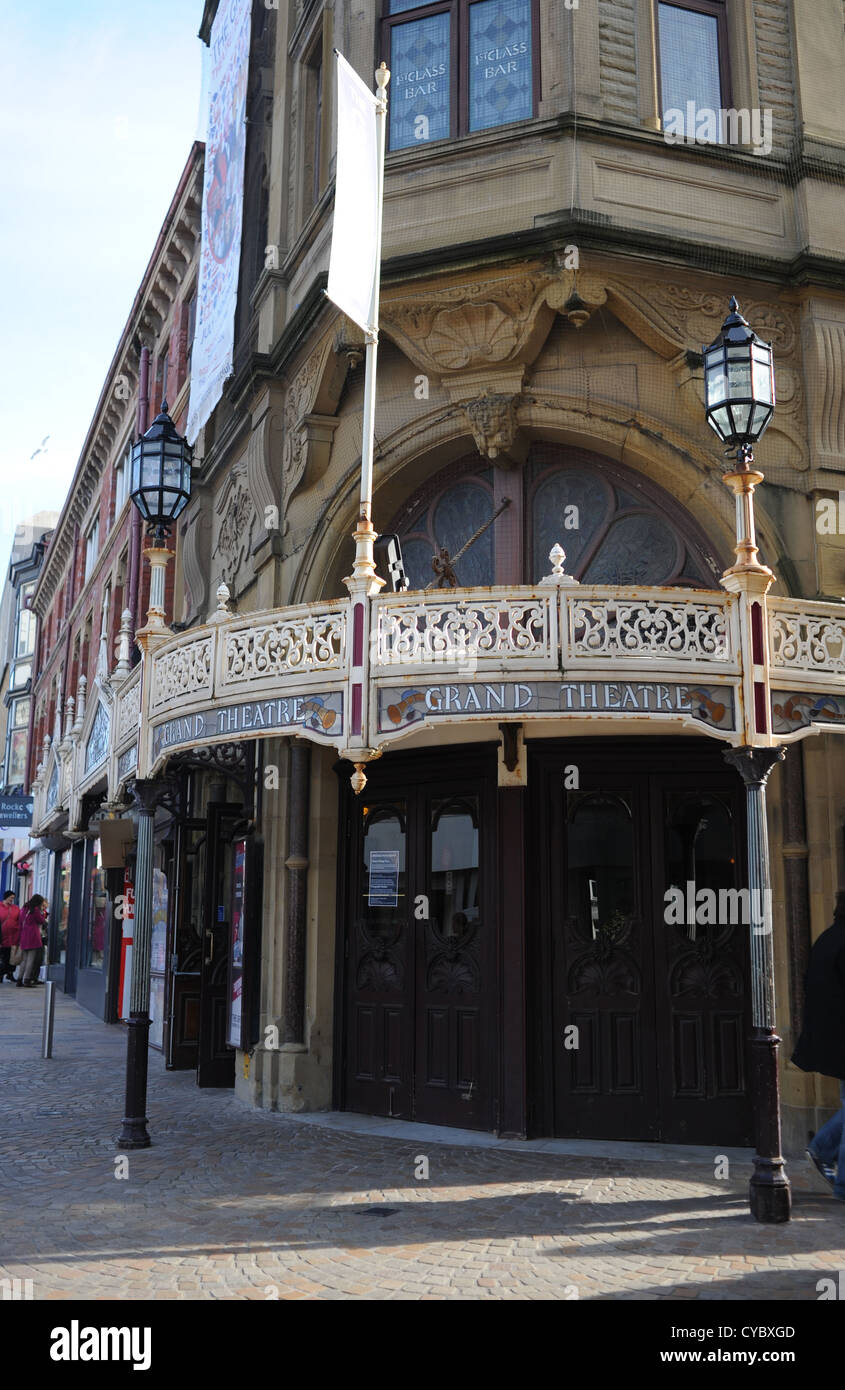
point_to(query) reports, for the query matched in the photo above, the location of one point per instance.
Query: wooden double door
(641, 1019)
(419, 945)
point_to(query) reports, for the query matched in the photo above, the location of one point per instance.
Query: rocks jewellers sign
(398, 708)
(321, 713)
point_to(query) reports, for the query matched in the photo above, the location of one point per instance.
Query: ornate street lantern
(161, 474)
(739, 382)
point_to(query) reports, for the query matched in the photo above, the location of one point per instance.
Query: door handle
(210, 957)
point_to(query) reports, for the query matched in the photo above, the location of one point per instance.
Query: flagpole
(365, 535)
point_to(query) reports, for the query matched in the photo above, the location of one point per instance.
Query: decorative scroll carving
(312, 641)
(807, 641)
(183, 671)
(234, 539)
(379, 964)
(519, 629)
(128, 709)
(684, 631)
(452, 964)
(608, 965)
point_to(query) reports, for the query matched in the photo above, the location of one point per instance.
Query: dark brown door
(420, 952)
(700, 962)
(187, 936)
(216, 1060)
(647, 1018)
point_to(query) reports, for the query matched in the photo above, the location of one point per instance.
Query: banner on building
(355, 251)
(222, 211)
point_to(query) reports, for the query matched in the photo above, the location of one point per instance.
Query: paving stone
(234, 1203)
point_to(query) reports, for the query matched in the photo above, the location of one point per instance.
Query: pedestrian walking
(821, 1046)
(33, 917)
(10, 931)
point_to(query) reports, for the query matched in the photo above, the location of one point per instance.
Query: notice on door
(384, 878)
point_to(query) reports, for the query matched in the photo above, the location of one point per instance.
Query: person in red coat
(33, 918)
(10, 932)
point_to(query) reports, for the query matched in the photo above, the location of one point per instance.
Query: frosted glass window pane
(689, 64)
(499, 63)
(420, 66)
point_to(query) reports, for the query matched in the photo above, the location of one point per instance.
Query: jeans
(27, 966)
(829, 1144)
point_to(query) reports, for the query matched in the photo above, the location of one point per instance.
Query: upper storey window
(459, 66)
(693, 66)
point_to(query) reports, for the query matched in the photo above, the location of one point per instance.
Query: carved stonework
(492, 420)
(297, 405)
(465, 326)
(234, 538)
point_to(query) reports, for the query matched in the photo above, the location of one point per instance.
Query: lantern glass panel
(716, 384)
(742, 416)
(721, 422)
(762, 382)
(739, 380)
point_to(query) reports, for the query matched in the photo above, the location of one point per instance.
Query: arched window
(615, 526)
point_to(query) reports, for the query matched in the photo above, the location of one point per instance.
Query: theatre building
(423, 849)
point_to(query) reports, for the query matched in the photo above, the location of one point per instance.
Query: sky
(100, 102)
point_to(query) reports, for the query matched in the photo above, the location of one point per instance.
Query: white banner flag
(356, 253)
(222, 211)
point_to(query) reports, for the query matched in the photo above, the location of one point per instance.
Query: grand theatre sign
(365, 673)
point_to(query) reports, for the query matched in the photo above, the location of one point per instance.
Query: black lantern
(739, 381)
(161, 474)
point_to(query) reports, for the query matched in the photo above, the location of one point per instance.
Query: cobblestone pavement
(233, 1203)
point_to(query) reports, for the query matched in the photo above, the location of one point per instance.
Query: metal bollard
(49, 1015)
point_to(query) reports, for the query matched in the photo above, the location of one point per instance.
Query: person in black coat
(821, 1046)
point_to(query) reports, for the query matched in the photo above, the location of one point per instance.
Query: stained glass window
(690, 79)
(500, 87)
(615, 527)
(420, 81)
(466, 65)
(450, 521)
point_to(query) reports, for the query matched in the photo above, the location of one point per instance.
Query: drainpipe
(141, 423)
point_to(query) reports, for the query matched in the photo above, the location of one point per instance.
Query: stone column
(296, 895)
(770, 1193)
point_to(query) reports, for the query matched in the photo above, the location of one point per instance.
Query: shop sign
(320, 713)
(400, 707)
(15, 810)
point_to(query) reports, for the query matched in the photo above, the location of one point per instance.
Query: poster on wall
(222, 209)
(236, 948)
(158, 953)
(158, 958)
(383, 890)
(127, 919)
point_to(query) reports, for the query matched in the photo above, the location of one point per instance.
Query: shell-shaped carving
(472, 332)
